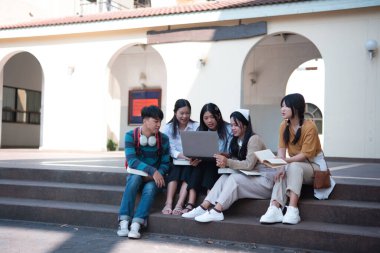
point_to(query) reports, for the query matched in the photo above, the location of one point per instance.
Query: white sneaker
(194, 213)
(134, 233)
(292, 216)
(273, 215)
(123, 228)
(211, 215)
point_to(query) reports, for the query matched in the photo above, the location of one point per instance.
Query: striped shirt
(148, 160)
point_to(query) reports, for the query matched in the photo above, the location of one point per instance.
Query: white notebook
(136, 172)
(232, 171)
(181, 162)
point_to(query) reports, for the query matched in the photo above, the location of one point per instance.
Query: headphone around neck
(151, 140)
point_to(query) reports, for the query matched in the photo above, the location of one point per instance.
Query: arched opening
(21, 102)
(137, 67)
(267, 69)
(308, 79)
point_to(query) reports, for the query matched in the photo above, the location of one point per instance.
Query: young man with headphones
(146, 149)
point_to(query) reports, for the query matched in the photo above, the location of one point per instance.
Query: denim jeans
(148, 189)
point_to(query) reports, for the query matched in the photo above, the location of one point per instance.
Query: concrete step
(348, 190)
(356, 190)
(334, 211)
(344, 190)
(348, 222)
(71, 192)
(348, 212)
(243, 228)
(306, 235)
(85, 214)
(65, 176)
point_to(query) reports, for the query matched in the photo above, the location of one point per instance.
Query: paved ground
(22, 236)
(114, 162)
(33, 237)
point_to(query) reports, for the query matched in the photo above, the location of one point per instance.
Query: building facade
(233, 53)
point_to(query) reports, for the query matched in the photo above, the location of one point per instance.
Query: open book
(232, 171)
(137, 172)
(181, 162)
(269, 159)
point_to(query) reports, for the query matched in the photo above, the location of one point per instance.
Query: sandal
(188, 208)
(177, 210)
(167, 209)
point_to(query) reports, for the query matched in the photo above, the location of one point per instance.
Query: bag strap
(136, 143)
(159, 143)
(324, 158)
(307, 159)
(136, 137)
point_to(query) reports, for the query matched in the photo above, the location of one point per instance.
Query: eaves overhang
(80, 25)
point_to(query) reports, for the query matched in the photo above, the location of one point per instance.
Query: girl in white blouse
(178, 174)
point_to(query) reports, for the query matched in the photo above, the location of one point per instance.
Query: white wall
(352, 110)
(218, 81)
(311, 83)
(266, 72)
(75, 105)
(76, 86)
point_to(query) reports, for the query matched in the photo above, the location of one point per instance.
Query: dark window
(142, 3)
(21, 105)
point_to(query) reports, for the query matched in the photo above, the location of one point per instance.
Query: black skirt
(203, 176)
(179, 173)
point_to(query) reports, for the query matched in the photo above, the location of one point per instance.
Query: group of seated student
(237, 143)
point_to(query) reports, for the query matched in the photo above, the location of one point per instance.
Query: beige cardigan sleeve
(254, 144)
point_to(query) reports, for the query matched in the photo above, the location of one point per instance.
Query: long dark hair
(221, 124)
(241, 152)
(296, 103)
(178, 104)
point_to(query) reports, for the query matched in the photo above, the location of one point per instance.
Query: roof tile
(147, 12)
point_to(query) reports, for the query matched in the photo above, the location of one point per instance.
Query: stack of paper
(136, 172)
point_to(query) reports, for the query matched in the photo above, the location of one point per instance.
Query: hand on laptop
(182, 156)
(221, 160)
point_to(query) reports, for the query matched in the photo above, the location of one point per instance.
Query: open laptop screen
(199, 144)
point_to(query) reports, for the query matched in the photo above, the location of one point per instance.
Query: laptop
(200, 144)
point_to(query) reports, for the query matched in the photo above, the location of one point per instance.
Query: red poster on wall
(138, 99)
(138, 104)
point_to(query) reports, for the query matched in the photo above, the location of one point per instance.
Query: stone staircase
(348, 222)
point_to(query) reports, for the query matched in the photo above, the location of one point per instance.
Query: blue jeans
(148, 189)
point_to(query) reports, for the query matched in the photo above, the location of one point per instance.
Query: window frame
(31, 117)
(311, 109)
